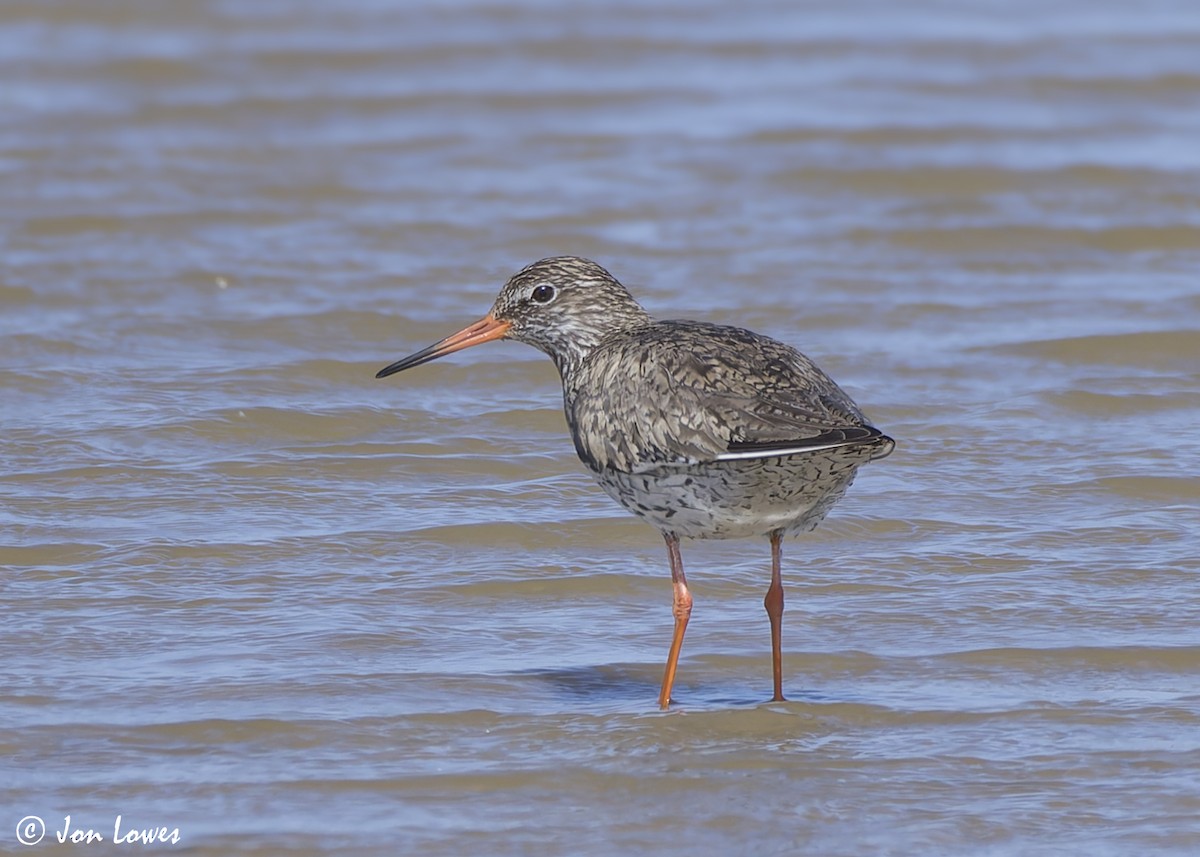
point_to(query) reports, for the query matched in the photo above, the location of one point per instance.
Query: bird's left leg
(682, 608)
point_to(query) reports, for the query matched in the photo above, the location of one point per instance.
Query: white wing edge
(776, 453)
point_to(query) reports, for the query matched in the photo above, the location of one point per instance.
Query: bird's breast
(736, 499)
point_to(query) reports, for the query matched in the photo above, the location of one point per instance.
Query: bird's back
(676, 392)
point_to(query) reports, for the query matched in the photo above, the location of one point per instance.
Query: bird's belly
(737, 499)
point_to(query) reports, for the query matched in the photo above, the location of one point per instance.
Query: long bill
(484, 330)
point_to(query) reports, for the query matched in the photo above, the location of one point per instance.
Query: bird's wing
(686, 392)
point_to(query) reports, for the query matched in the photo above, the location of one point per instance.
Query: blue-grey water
(254, 595)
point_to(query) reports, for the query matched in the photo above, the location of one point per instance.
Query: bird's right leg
(682, 608)
(774, 604)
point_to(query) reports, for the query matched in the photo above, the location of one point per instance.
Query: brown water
(253, 594)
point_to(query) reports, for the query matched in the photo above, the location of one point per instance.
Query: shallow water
(256, 595)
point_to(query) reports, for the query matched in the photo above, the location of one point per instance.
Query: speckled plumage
(657, 411)
(703, 430)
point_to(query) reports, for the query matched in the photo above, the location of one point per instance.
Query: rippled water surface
(254, 594)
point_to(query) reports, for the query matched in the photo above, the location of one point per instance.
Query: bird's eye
(543, 294)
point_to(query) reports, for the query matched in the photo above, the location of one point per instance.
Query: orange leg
(682, 608)
(774, 604)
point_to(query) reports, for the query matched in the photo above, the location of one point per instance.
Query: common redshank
(705, 431)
